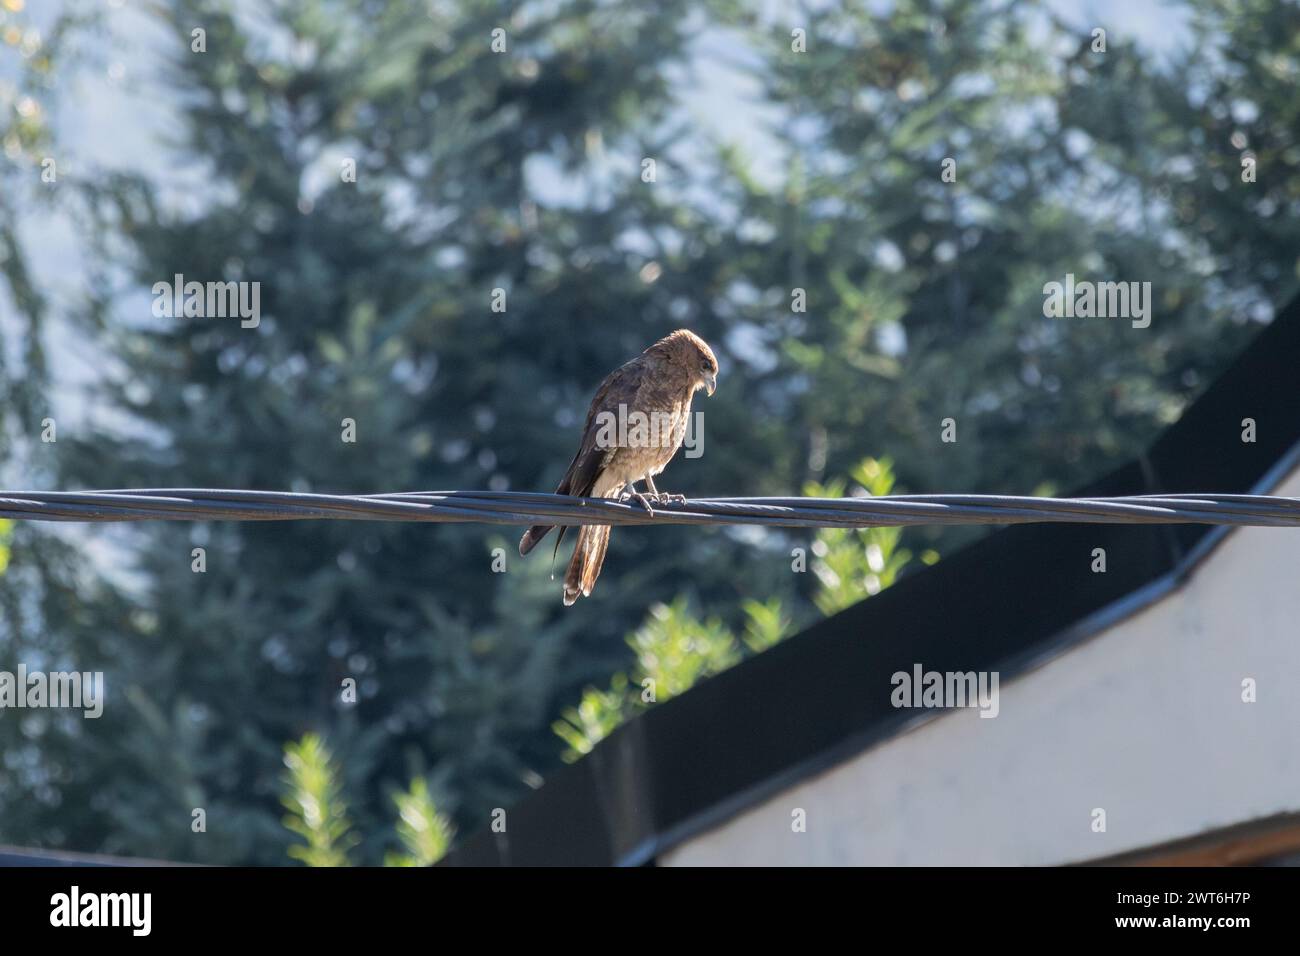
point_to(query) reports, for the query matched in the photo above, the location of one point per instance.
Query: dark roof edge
(11, 856)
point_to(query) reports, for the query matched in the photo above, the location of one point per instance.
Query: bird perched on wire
(635, 425)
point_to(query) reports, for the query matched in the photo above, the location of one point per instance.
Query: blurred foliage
(521, 171)
(924, 297)
(27, 97)
(313, 797)
(425, 833)
(44, 584)
(766, 623)
(597, 715)
(853, 563)
(674, 649)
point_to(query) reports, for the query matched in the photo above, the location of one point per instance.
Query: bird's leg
(629, 492)
(662, 498)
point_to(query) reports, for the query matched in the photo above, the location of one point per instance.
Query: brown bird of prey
(635, 425)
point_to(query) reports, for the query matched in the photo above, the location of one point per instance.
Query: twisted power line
(525, 508)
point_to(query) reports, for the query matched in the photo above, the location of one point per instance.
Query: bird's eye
(704, 367)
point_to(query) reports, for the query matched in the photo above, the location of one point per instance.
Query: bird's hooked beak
(710, 382)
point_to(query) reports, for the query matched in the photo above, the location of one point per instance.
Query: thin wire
(527, 508)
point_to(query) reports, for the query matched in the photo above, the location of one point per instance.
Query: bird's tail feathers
(556, 550)
(584, 566)
(539, 531)
(533, 535)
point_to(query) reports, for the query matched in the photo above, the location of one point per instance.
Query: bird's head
(687, 350)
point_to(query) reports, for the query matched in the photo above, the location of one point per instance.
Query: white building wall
(1145, 720)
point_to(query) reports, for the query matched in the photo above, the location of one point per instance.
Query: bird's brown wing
(655, 391)
(620, 387)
